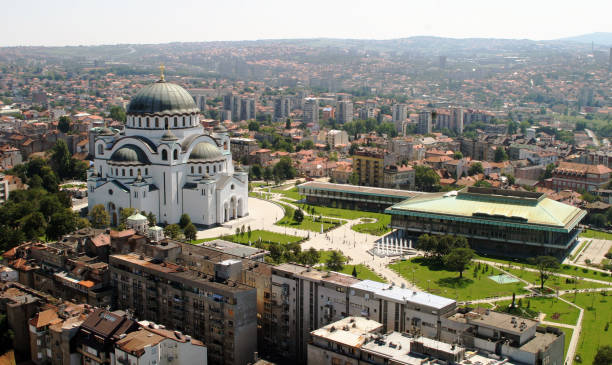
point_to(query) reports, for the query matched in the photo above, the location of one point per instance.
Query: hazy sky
(85, 22)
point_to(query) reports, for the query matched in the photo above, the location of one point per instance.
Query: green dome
(162, 98)
(129, 154)
(205, 151)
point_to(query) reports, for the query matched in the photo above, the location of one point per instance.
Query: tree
(426, 243)
(580, 125)
(500, 154)
(475, 168)
(457, 155)
(173, 231)
(152, 219)
(546, 265)
(267, 174)
(458, 259)
(549, 170)
(99, 217)
(33, 225)
(335, 261)
(298, 215)
(190, 232)
(124, 214)
(253, 126)
(63, 124)
(598, 220)
(61, 160)
(6, 335)
(426, 179)
(276, 251)
(288, 124)
(184, 220)
(512, 127)
(117, 113)
(61, 223)
(603, 356)
(354, 179)
(310, 257)
(354, 271)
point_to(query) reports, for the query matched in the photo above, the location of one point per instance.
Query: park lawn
(597, 314)
(291, 193)
(436, 280)
(363, 273)
(590, 233)
(556, 310)
(553, 282)
(377, 228)
(308, 223)
(265, 236)
(563, 268)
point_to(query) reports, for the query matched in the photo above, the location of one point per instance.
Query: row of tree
(452, 251)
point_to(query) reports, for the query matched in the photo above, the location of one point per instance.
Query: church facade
(166, 163)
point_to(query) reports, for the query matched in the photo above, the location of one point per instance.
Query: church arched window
(225, 145)
(156, 123)
(148, 125)
(122, 172)
(215, 169)
(175, 155)
(175, 122)
(131, 172)
(192, 170)
(100, 149)
(183, 121)
(165, 155)
(166, 122)
(146, 171)
(139, 123)
(199, 169)
(208, 169)
(138, 171)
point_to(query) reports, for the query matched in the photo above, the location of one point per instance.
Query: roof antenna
(161, 72)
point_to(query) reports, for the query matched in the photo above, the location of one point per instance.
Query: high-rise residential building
(344, 113)
(247, 108)
(367, 112)
(457, 120)
(199, 99)
(586, 96)
(282, 108)
(336, 137)
(425, 122)
(369, 164)
(400, 113)
(217, 309)
(311, 112)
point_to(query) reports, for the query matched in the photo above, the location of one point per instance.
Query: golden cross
(161, 71)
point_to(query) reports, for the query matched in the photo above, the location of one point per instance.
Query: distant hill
(601, 38)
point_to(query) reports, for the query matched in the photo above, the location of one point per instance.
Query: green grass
(597, 314)
(556, 310)
(363, 273)
(448, 284)
(563, 269)
(308, 223)
(265, 236)
(590, 233)
(291, 193)
(377, 228)
(203, 240)
(553, 282)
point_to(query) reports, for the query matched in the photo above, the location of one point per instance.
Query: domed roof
(129, 154)
(169, 136)
(205, 151)
(162, 98)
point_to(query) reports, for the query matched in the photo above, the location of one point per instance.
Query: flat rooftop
(491, 319)
(366, 190)
(403, 295)
(398, 348)
(233, 248)
(349, 331)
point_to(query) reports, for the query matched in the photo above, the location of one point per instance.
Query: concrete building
(247, 108)
(457, 120)
(495, 221)
(369, 164)
(216, 309)
(344, 113)
(399, 177)
(282, 108)
(242, 147)
(425, 122)
(400, 113)
(336, 138)
(311, 112)
(154, 344)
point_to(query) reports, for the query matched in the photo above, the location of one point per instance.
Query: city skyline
(67, 22)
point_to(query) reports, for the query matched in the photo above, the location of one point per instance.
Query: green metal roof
(162, 98)
(542, 213)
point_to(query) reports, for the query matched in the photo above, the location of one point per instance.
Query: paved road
(595, 251)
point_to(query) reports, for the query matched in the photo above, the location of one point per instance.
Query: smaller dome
(205, 151)
(137, 218)
(106, 132)
(129, 154)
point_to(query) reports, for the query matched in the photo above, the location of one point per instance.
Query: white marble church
(166, 163)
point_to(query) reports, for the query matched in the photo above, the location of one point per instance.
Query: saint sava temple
(166, 163)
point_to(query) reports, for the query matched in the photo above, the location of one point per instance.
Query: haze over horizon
(70, 22)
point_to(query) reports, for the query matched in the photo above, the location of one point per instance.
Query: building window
(175, 155)
(192, 169)
(148, 123)
(215, 169)
(122, 172)
(166, 122)
(138, 171)
(100, 149)
(183, 121)
(110, 191)
(131, 172)
(135, 194)
(156, 123)
(175, 122)
(208, 169)
(146, 171)
(232, 187)
(199, 169)
(139, 123)
(164, 155)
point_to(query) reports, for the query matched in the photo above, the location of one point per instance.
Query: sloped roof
(494, 206)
